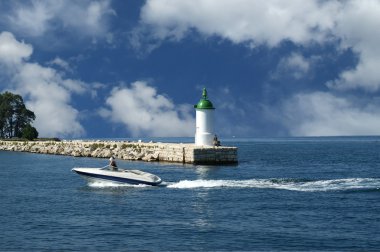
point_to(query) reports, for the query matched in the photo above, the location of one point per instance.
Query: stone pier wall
(168, 152)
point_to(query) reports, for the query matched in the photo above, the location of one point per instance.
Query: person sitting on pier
(216, 142)
(113, 165)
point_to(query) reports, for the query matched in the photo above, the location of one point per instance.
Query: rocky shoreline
(168, 152)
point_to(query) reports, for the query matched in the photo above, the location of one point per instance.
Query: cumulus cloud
(351, 25)
(324, 114)
(145, 112)
(49, 96)
(356, 27)
(257, 22)
(36, 18)
(46, 91)
(12, 51)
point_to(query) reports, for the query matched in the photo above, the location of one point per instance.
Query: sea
(285, 194)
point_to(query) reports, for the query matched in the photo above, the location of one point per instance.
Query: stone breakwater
(167, 152)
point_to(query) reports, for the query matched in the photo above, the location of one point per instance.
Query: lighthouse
(204, 133)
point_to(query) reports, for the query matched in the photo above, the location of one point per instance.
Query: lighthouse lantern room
(204, 133)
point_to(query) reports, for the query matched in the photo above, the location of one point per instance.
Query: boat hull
(132, 177)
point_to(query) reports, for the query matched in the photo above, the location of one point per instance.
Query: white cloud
(49, 97)
(323, 114)
(12, 51)
(89, 17)
(261, 22)
(32, 19)
(144, 112)
(37, 18)
(57, 61)
(295, 65)
(45, 90)
(55, 118)
(357, 26)
(351, 25)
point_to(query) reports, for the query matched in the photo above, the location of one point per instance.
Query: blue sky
(135, 68)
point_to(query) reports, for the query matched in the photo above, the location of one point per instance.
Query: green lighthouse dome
(204, 103)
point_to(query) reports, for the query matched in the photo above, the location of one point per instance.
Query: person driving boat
(113, 165)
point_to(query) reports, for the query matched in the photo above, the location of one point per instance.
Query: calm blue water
(285, 194)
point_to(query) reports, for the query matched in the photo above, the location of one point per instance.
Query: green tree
(5, 114)
(14, 116)
(29, 132)
(23, 117)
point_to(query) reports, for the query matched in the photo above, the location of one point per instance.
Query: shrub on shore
(29, 132)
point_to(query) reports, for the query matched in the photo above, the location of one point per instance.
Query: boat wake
(107, 184)
(349, 184)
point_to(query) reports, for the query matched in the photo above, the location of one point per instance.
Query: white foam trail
(106, 184)
(285, 184)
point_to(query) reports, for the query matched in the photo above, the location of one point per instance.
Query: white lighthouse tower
(204, 134)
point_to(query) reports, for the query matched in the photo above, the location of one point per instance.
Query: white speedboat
(134, 177)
